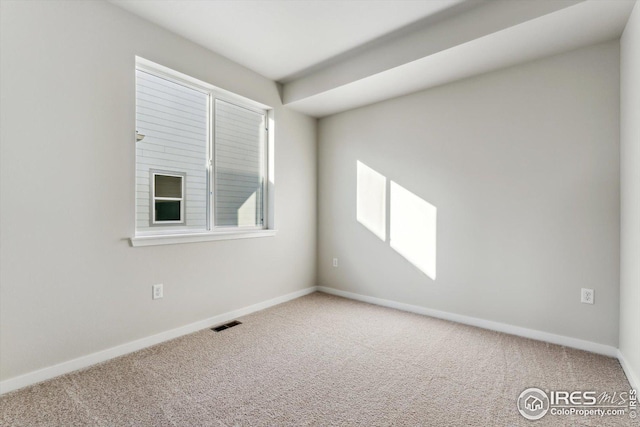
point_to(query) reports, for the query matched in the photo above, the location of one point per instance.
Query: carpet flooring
(322, 360)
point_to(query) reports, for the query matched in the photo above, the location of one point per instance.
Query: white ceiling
(281, 38)
(337, 55)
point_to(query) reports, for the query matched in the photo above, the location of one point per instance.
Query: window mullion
(265, 162)
(211, 159)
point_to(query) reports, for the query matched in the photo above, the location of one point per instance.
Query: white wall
(630, 195)
(70, 283)
(522, 165)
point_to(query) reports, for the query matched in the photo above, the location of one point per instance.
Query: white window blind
(239, 166)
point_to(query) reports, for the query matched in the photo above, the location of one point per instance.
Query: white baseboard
(631, 376)
(104, 355)
(110, 353)
(593, 347)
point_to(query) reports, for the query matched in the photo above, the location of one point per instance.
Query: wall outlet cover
(157, 291)
(587, 296)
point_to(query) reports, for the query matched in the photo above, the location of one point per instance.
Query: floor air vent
(226, 326)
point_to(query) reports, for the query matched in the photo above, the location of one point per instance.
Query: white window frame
(183, 199)
(173, 235)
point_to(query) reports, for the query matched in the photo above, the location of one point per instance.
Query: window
(168, 198)
(239, 166)
(201, 157)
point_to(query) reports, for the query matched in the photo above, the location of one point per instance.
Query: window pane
(173, 119)
(167, 210)
(168, 186)
(239, 165)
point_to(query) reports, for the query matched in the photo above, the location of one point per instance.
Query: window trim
(164, 234)
(182, 237)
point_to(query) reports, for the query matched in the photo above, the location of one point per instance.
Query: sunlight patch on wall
(413, 229)
(371, 200)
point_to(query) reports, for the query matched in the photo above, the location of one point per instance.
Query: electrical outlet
(587, 296)
(335, 262)
(157, 291)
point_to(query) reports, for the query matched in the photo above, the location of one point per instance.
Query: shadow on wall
(412, 220)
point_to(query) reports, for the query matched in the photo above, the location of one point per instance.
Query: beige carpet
(321, 360)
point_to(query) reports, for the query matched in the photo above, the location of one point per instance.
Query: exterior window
(239, 166)
(168, 198)
(201, 156)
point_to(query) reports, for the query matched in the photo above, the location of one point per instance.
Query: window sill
(172, 239)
